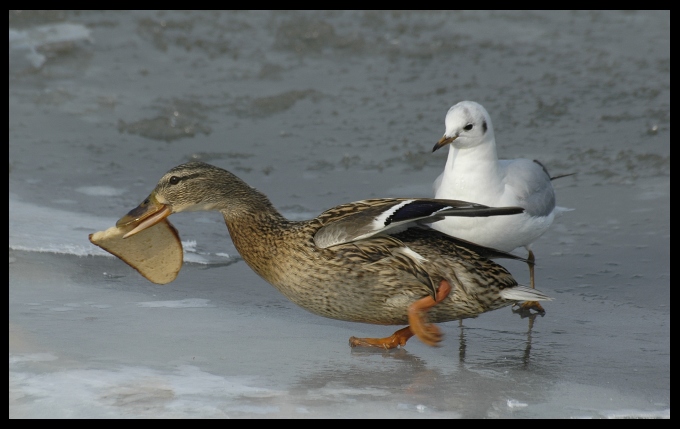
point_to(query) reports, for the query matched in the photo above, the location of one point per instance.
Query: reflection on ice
(185, 303)
(41, 229)
(124, 392)
(100, 191)
(34, 41)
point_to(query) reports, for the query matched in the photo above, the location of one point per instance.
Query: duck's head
(468, 124)
(191, 186)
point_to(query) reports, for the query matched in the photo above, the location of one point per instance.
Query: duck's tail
(524, 293)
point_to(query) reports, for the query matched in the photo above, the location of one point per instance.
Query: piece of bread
(156, 252)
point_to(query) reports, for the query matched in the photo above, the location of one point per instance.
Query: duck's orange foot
(427, 332)
(397, 339)
(532, 305)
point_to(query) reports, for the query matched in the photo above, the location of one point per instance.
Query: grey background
(315, 109)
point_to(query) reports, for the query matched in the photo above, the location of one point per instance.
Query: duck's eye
(174, 180)
(468, 127)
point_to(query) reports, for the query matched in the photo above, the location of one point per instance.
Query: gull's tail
(559, 210)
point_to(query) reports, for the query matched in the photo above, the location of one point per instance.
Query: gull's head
(467, 125)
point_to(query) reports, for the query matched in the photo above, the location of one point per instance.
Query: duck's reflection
(461, 342)
(523, 313)
(479, 385)
(483, 383)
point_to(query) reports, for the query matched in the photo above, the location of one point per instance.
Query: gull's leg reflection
(526, 313)
(527, 349)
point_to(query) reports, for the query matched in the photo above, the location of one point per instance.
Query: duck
(375, 261)
(473, 172)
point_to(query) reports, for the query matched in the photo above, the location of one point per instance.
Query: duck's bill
(443, 142)
(148, 213)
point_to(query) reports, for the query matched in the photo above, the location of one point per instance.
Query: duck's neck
(258, 231)
(250, 216)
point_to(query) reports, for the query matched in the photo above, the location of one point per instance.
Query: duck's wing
(387, 252)
(409, 250)
(366, 218)
(483, 251)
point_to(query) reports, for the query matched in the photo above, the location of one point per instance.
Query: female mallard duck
(372, 261)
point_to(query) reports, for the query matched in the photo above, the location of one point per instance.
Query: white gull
(474, 173)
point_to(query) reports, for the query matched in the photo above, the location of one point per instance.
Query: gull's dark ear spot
(485, 127)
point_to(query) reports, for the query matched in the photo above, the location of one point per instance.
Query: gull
(474, 173)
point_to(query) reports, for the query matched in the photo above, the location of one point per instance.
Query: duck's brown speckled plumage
(370, 280)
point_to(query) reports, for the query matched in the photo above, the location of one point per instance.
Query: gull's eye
(174, 180)
(468, 127)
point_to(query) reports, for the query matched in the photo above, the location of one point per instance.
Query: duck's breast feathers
(366, 218)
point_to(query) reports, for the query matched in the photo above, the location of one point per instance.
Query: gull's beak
(147, 214)
(443, 142)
